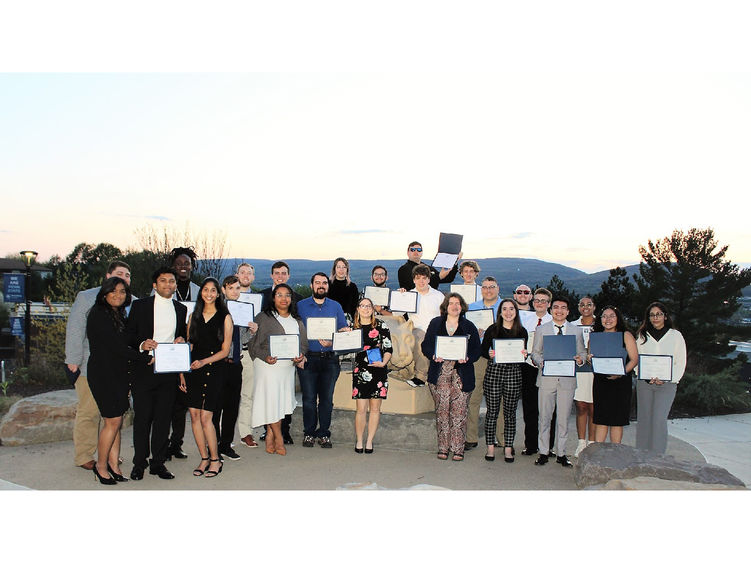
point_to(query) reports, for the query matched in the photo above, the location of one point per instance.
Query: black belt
(321, 354)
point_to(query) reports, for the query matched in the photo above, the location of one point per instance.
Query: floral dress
(370, 382)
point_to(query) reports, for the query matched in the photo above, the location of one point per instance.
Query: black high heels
(120, 478)
(103, 480)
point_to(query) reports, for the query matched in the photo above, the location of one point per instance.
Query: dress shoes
(89, 465)
(287, 439)
(542, 459)
(563, 460)
(136, 473)
(177, 453)
(529, 451)
(470, 445)
(162, 472)
(263, 437)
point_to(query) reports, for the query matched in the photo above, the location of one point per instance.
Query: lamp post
(28, 258)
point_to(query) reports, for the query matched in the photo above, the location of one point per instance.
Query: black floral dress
(370, 382)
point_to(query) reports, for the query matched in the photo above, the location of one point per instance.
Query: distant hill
(510, 272)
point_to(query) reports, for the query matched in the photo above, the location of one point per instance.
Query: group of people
(234, 380)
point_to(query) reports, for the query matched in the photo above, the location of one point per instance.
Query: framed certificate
(481, 318)
(655, 367)
(378, 295)
(284, 346)
(403, 301)
(256, 299)
(559, 368)
(349, 341)
(374, 355)
(190, 305)
(451, 347)
(608, 366)
(242, 313)
(172, 358)
(320, 328)
(508, 350)
(468, 292)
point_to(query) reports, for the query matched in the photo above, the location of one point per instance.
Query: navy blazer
(437, 327)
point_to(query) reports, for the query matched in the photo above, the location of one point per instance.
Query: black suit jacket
(140, 324)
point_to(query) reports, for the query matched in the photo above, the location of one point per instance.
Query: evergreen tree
(559, 289)
(618, 291)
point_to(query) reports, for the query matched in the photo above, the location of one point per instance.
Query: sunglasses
(522, 292)
(415, 249)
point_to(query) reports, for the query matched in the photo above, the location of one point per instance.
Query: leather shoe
(529, 451)
(287, 439)
(177, 453)
(161, 471)
(136, 473)
(89, 465)
(470, 445)
(542, 459)
(563, 460)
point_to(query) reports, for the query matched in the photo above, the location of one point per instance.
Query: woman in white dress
(274, 381)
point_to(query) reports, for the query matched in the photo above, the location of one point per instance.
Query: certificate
(320, 328)
(451, 347)
(468, 292)
(284, 346)
(242, 313)
(171, 358)
(450, 243)
(559, 368)
(349, 341)
(378, 295)
(444, 260)
(255, 298)
(403, 301)
(190, 305)
(508, 350)
(481, 318)
(374, 355)
(608, 366)
(655, 367)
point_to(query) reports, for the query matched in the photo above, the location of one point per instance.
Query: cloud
(364, 232)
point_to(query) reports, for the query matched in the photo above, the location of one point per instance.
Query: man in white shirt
(428, 307)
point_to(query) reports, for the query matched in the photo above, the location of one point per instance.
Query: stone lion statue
(401, 364)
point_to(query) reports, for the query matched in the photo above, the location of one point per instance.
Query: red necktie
(539, 321)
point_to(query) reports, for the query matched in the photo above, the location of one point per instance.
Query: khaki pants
(86, 425)
(246, 397)
(422, 364)
(474, 404)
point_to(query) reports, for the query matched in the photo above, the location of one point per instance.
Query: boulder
(603, 462)
(654, 484)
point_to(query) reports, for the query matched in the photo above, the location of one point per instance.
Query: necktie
(539, 321)
(560, 329)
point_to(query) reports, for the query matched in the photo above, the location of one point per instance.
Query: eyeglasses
(415, 249)
(608, 317)
(284, 295)
(522, 292)
(656, 315)
(379, 275)
(586, 304)
(488, 286)
(365, 306)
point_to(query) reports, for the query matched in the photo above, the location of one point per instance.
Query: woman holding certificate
(369, 380)
(277, 348)
(453, 345)
(656, 339)
(108, 372)
(503, 376)
(611, 393)
(210, 336)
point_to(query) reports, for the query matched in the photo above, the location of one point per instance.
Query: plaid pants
(502, 380)
(450, 409)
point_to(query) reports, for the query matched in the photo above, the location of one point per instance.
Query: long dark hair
(620, 325)
(117, 315)
(647, 324)
(270, 307)
(221, 310)
(516, 327)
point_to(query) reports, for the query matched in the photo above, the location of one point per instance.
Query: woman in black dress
(210, 336)
(611, 394)
(108, 372)
(342, 289)
(369, 380)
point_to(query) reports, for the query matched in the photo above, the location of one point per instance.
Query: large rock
(654, 484)
(42, 418)
(603, 462)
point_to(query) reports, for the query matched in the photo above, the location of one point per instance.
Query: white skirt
(273, 391)
(583, 391)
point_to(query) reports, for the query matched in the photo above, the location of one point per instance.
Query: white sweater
(672, 344)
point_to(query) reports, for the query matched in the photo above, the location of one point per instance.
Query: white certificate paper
(468, 292)
(320, 328)
(403, 301)
(190, 305)
(171, 358)
(508, 350)
(481, 318)
(655, 367)
(378, 295)
(242, 313)
(284, 346)
(443, 260)
(559, 368)
(349, 341)
(451, 347)
(608, 366)
(255, 298)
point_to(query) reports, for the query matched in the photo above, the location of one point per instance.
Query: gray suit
(554, 392)
(76, 343)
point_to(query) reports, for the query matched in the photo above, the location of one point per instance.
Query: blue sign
(13, 288)
(16, 326)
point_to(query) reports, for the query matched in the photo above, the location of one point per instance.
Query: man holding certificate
(246, 274)
(322, 317)
(414, 258)
(152, 320)
(557, 381)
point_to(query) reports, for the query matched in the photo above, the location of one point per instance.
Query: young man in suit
(555, 393)
(158, 318)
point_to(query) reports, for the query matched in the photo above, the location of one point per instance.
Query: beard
(320, 293)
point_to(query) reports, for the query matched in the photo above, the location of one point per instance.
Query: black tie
(560, 329)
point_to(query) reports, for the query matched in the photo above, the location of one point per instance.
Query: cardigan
(672, 344)
(268, 326)
(466, 371)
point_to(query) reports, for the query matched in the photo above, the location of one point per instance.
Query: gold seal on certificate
(284, 346)
(348, 341)
(378, 295)
(468, 292)
(242, 313)
(508, 350)
(171, 358)
(653, 366)
(481, 318)
(320, 328)
(403, 301)
(451, 347)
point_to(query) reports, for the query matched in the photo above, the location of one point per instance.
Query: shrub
(702, 394)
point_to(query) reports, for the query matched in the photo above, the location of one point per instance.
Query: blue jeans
(318, 379)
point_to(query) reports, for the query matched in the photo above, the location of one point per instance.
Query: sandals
(458, 457)
(197, 472)
(443, 455)
(211, 472)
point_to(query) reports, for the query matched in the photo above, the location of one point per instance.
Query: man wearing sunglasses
(414, 257)
(523, 296)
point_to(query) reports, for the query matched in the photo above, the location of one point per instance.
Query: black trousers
(531, 409)
(179, 412)
(153, 398)
(225, 416)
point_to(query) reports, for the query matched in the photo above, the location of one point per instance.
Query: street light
(28, 258)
